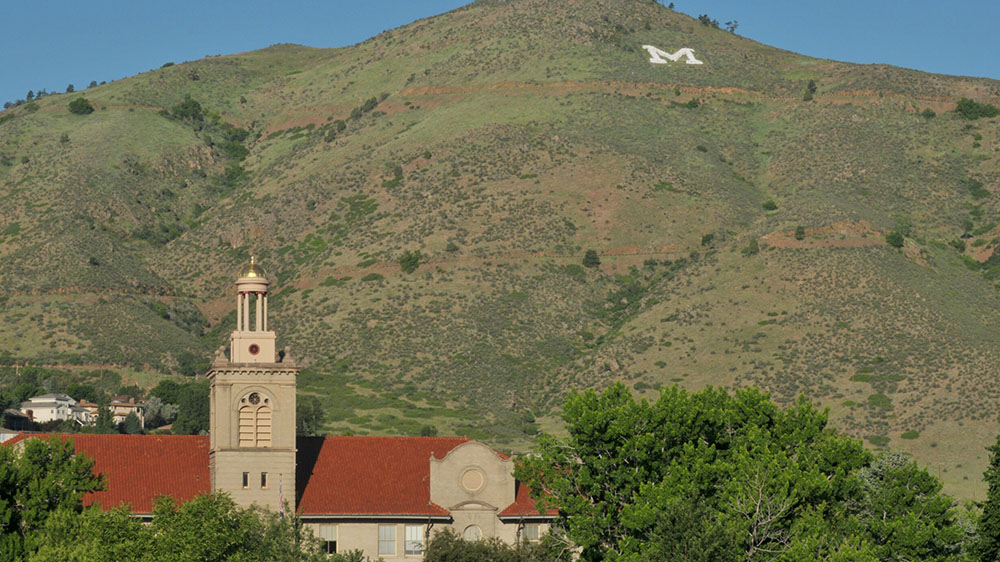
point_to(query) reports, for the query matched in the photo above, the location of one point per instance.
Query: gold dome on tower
(252, 270)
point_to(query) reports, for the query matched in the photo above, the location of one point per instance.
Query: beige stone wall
(363, 535)
(278, 464)
(472, 477)
(228, 460)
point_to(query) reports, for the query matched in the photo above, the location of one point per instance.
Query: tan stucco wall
(497, 491)
(278, 464)
(227, 460)
(364, 535)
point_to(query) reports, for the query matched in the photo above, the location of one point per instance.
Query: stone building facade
(383, 495)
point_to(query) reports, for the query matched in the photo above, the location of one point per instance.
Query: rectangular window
(387, 540)
(246, 480)
(263, 480)
(531, 533)
(414, 539)
(328, 535)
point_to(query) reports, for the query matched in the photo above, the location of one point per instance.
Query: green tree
(309, 415)
(105, 421)
(591, 259)
(93, 536)
(80, 106)
(894, 239)
(752, 248)
(132, 425)
(43, 478)
(769, 480)
(208, 528)
(447, 546)
(800, 232)
(972, 110)
(988, 545)
(70, 89)
(410, 260)
(903, 513)
(189, 110)
(193, 407)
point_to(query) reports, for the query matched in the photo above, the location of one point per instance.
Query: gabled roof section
(140, 468)
(524, 505)
(368, 476)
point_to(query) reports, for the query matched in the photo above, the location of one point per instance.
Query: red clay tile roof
(140, 468)
(342, 475)
(524, 505)
(368, 475)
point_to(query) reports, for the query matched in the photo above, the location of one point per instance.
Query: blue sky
(51, 43)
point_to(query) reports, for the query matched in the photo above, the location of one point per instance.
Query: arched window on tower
(255, 421)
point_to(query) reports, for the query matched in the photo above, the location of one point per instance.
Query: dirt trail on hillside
(321, 115)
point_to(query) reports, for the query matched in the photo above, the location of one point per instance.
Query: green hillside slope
(502, 141)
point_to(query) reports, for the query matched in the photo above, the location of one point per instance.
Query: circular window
(473, 479)
(254, 349)
(255, 398)
(472, 533)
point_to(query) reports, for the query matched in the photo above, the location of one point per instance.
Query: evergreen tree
(132, 425)
(988, 546)
(591, 259)
(105, 421)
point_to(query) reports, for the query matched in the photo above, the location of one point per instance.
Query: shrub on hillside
(189, 109)
(894, 239)
(591, 259)
(410, 260)
(80, 106)
(972, 110)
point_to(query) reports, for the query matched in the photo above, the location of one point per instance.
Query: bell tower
(252, 405)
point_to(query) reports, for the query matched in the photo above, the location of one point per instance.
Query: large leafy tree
(42, 477)
(208, 528)
(715, 476)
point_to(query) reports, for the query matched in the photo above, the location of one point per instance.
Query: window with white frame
(327, 534)
(414, 540)
(531, 533)
(387, 540)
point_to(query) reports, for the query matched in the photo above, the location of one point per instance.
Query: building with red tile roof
(383, 495)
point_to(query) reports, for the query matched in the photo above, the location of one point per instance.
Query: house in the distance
(52, 407)
(383, 495)
(120, 407)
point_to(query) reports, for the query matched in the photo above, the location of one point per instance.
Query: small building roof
(524, 505)
(52, 397)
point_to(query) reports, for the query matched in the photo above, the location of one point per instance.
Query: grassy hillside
(501, 141)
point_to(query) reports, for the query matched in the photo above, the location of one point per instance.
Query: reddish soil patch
(836, 235)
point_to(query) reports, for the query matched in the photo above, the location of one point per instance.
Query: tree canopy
(715, 476)
(41, 478)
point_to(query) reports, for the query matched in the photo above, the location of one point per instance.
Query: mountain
(738, 208)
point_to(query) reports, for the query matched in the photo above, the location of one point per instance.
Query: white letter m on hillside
(656, 55)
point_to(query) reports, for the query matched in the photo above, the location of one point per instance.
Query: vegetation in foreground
(715, 476)
(706, 476)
